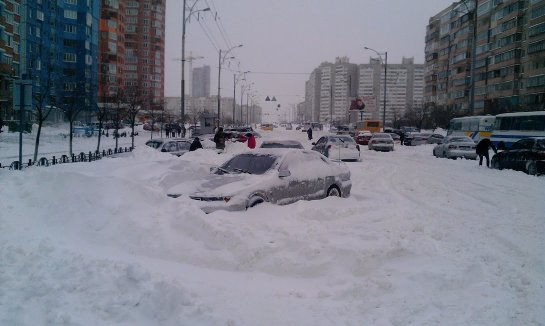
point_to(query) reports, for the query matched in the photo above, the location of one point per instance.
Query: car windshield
(249, 163)
(341, 140)
(154, 144)
(281, 145)
(460, 140)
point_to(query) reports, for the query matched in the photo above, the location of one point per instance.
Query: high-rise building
(54, 45)
(111, 53)
(404, 88)
(201, 82)
(331, 88)
(145, 49)
(508, 66)
(9, 53)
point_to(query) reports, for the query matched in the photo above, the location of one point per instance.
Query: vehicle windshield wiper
(223, 170)
(242, 171)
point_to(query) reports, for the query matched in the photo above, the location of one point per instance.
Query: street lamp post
(242, 89)
(185, 19)
(385, 62)
(221, 60)
(235, 82)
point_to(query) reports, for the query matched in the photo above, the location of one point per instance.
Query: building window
(537, 12)
(536, 47)
(70, 14)
(71, 2)
(536, 81)
(536, 30)
(39, 15)
(70, 28)
(69, 57)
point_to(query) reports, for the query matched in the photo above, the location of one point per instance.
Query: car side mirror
(284, 173)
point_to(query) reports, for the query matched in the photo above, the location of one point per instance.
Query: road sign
(27, 85)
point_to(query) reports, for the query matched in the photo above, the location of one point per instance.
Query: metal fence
(81, 157)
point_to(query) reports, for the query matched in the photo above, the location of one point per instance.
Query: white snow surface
(420, 241)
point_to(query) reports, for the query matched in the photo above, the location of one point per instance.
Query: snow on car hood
(229, 184)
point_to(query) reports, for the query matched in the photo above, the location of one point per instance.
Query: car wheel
(496, 164)
(333, 191)
(255, 200)
(531, 168)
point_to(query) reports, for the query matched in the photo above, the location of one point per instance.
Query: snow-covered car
(338, 147)
(419, 139)
(281, 144)
(381, 142)
(456, 146)
(279, 176)
(526, 155)
(363, 137)
(176, 147)
(436, 139)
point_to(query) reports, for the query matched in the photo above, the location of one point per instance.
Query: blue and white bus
(475, 127)
(511, 127)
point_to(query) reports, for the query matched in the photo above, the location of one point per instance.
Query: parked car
(267, 127)
(338, 147)
(363, 137)
(176, 147)
(420, 139)
(456, 146)
(381, 142)
(435, 139)
(278, 176)
(527, 155)
(281, 144)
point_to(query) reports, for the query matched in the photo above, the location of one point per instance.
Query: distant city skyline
(283, 41)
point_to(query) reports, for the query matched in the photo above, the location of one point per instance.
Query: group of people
(219, 140)
(172, 130)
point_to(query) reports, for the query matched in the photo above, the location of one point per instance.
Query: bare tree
(118, 101)
(133, 100)
(44, 101)
(72, 107)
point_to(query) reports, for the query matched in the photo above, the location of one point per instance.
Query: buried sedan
(279, 176)
(456, 146)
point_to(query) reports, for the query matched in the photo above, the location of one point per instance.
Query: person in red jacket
(251, 140)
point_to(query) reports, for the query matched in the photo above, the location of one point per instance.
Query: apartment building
(145, 48)
(499, 42)
(201, 82)
(111, 49)
(10, 20)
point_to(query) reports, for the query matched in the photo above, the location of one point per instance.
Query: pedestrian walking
(196, 144)
(167, 130)
(219, 139)
(482, 150)
(251, 140)
(309, 133)
(402, 137)
(1, 124)
(183, 131)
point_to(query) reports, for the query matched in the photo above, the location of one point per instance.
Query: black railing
(81, 157)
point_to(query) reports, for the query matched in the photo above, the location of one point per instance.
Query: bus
(511, 127)
(475, 127)
(368, 125)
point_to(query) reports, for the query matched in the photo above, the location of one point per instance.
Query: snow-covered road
(420, 241)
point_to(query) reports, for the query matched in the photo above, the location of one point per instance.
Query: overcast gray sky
(294, 36)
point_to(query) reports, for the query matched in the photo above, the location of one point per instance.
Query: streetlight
(221, 60)
(242, 89)
(385, 62)
(242, 76)
(185, 19)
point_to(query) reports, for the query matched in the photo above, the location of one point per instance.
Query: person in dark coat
(1, 124)
(251, 140)
(402, 138)
(219, 139)
(309, 133)
(196, 144)
(482, 150)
